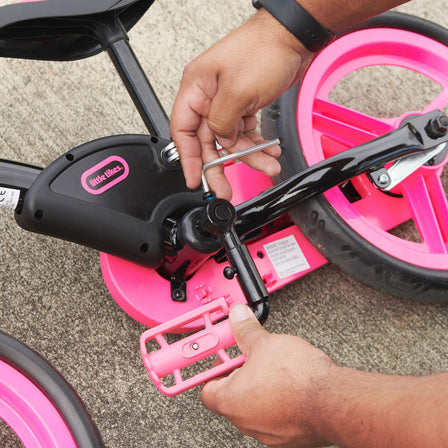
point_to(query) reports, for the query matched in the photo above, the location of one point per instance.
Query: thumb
(246, 328)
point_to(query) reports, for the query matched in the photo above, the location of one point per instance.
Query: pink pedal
(170, 359)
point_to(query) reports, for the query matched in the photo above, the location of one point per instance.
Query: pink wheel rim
(29, 413)
(326, 128)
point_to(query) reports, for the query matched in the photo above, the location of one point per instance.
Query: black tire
(55, 388)
(321, 224)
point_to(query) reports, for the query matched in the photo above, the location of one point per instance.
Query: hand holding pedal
(217, 218)
(170, 359)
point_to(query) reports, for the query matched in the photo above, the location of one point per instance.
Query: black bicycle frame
(17, 175)
(115, 41)
(275, 202)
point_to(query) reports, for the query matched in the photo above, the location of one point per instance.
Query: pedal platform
(186, 354)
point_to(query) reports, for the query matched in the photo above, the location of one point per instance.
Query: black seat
(61, 30)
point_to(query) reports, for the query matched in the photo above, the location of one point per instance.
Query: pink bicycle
(366, 193)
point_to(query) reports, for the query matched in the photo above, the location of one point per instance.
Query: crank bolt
(223, 213)
(437, 127)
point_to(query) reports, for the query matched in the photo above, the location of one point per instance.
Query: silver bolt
(383, 179)
(195, 346)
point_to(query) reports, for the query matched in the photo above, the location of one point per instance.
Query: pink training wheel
(37, 403)
(29, 413)
(357, 225)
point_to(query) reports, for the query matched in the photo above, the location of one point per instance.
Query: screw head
(223, 213)
(178, 295)
(437, 127)
(383, 179)
(229, 273)
(194, 346)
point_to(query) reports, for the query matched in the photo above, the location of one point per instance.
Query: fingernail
(240, 313)
(225, 142)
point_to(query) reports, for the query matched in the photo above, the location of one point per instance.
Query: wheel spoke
(344, 127)
(440, 201)
(429, 207)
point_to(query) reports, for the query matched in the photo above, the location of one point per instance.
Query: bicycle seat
(61, 30)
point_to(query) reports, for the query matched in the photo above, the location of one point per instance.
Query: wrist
(299, 22)
(275, 30)
(320, 401)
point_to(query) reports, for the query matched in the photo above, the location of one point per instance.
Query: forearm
(337, 15)
(354, 409)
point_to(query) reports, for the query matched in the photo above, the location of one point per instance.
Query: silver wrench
(230, 157)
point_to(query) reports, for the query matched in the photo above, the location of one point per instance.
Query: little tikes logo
(105, 175)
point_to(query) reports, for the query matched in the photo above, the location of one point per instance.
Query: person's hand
(223, 89)
(272, 396)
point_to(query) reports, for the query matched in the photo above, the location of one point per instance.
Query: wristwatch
(298, 21)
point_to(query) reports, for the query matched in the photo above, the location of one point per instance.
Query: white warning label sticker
(286, 256)
(9, 198)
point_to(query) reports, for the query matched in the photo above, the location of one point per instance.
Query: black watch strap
(314, 36)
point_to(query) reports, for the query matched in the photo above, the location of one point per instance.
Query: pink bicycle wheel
(396, 242)
(37, 403)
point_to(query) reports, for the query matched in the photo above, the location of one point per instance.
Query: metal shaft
(234, 156)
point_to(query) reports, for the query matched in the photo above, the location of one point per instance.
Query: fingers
(225, 87)
(264, 161)
(235, 130)
(202, 116)
(211, 392)
(226, 111)
(248, 332)
(245, 327)
(215, 175)
(186, 119)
